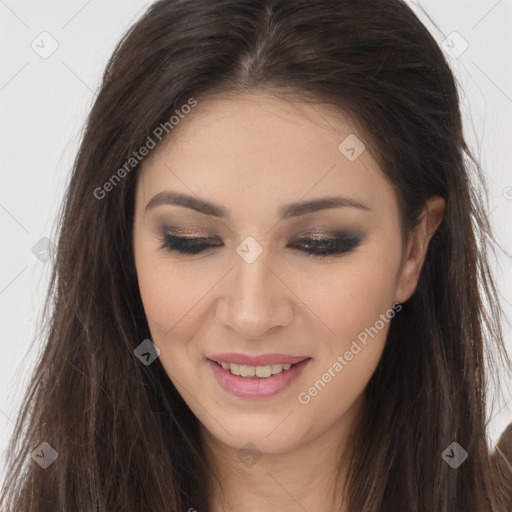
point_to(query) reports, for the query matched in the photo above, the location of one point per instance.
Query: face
(267, 283)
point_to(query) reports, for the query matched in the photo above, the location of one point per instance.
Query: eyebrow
(285, 212)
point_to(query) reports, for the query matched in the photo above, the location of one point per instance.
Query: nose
(255, 299)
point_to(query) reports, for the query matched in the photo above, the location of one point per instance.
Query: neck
(309, 476)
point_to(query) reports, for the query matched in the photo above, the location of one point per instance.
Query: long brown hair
(125, 439)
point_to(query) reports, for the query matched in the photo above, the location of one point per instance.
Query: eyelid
(315, 234)
(320, 246)
(189, 233)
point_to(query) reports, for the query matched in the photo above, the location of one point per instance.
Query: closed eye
(320, 246)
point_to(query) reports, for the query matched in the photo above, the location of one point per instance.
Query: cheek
(358, 308)
(354, 299)
(172, 318)
(162, 306)
(171, 297)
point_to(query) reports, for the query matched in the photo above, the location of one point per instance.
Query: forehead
(259, 124)
(259, 149)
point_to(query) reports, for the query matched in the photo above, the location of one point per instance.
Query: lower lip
(247, 387)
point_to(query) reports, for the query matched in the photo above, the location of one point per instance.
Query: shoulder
(501, 460)
(504, 444)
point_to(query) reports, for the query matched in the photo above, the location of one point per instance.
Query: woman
(270, 286)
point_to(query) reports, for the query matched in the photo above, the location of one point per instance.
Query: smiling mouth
(255, 372)
(257, 382)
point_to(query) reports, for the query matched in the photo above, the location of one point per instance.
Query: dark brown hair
(126, 441)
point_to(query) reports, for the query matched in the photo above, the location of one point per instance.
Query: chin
(269, 434)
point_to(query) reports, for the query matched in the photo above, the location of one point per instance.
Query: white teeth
(262, 372)
(247, 371)
(277, 368)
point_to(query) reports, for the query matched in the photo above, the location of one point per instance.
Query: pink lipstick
(256, 376)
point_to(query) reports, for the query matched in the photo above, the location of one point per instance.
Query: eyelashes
(319, 246)
(188, 245)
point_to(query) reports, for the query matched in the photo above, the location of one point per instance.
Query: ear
(416, 249)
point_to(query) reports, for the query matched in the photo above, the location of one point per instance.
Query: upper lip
(262, 360)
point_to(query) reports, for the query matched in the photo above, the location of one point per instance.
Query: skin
(253, 153)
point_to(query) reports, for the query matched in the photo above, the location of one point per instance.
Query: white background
(44, 103)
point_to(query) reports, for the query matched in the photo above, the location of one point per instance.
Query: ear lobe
(417, 247)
